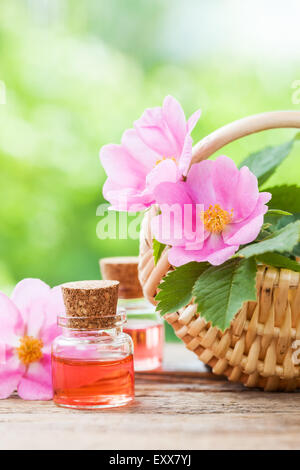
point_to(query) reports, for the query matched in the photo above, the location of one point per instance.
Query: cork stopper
(125, 270)
(91, 304)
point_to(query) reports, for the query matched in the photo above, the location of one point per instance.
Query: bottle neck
(92, 326)
(73, 333)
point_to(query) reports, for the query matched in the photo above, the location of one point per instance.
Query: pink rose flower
(28, 327)
(158, 149)
(232, 212)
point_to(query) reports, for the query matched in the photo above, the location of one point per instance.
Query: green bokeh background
(77, 74)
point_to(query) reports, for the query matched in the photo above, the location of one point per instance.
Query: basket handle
(246, 126)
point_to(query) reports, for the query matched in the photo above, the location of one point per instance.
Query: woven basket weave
(257, 348)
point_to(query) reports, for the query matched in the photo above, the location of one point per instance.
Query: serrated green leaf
(264, 163)
(278, 261)
(158, 249)
(286, 197)
(221, 290)
(282, 240)
(176, 288)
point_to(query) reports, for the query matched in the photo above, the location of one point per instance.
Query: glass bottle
(144, 324)
(92, 361)
(146, 329)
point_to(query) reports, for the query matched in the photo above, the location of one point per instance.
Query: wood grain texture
(182, 407)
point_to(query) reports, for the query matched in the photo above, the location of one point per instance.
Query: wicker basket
(257, 348)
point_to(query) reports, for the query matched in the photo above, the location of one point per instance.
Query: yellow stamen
(30, 350)
(215, 218)
(166, 158)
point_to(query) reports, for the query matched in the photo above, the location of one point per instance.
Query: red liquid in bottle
(91, 383)
(148, 340)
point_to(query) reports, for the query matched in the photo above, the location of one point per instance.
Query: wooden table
(182, 407)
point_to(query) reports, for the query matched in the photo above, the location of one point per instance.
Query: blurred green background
(77, 73)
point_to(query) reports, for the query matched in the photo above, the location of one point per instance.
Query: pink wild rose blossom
(158, 149)
(232, 212)
(28, 327)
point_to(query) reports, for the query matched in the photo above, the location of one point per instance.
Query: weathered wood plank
(178, 409)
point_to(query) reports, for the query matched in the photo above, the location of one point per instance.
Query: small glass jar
(93, 367)
(144, 324)
(146, 328)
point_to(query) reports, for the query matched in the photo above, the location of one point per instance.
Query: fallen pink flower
(157, 150)
(28, 327)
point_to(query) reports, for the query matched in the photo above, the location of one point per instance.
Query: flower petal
(264, 198)
(169, 227)
(244, 232)
(214, 251)
(200, 184)
(178, 255)
(247, 230)
(165, 171)
(132, 142)
(245, 194)
(168, 233)
(225, 180)
(10, 375)
(155, 133)
(30, 296)
(11, 321)
(36, 384)
(186, 155)
(122, 168)
(174, 116)
(126, 199)
(220, 256)
(54, 307)
(172, 193)
(192, 121)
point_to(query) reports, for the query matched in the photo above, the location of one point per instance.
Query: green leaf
(279, 261)
(273, 216)
(158, 249)
(283, 221)
(263, 234)
(221, 290)
(264, 163)
(266, 231)
(296, 250)
(176, 288)
(282, 240)
(286, 197)
(277, 212)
